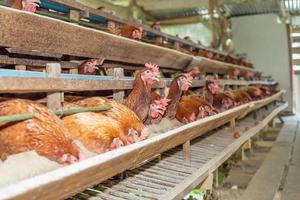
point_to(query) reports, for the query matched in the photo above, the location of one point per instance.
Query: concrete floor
(243, 170)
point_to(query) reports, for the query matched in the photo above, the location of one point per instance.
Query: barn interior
(150, 100)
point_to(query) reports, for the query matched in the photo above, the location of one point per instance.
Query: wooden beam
(296, 62)
(296, 50)
(33, 62)
(296, 39)
(80, 41)
(296, 30)
(163, 5)
(183, 20)
(33, 53)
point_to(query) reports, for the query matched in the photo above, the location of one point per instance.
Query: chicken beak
(156, 78)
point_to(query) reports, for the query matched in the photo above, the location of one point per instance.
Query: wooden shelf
(92, 14)
(52, 36)
(12, 81)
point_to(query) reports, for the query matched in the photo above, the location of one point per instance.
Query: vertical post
(187, 152)
(73, 71)
(119, 94)
(20, 67)
(232, 124)
(159, 40)
(216, 178)
(176, 45)
(207, 184)
(54, 98)
(74, 15)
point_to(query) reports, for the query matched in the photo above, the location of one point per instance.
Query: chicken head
(138, 33)
(184, 81)
(116, 143)
(30, 5)
(212, 86)
(150, 74)
(158, 108)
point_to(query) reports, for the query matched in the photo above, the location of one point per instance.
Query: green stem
(26, 116)
(15, 118)
(72, 111)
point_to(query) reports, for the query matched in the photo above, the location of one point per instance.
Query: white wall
(191, 30)
(265, 42)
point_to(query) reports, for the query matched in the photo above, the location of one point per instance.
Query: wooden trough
(63, 182)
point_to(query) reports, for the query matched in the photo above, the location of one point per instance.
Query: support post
(187, 152)
(232, 124)
(118, 94)
(74, 15)
(54, 99)
(176, 46)
(20, 67)
(207, 184)
(216, 178)
(73, 71)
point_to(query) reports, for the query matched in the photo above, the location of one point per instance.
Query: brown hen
(44, 133)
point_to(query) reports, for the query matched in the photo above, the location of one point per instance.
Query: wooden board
(66, 181)
(214, 66)
(14, 81)
(55, 36)
(61, 38)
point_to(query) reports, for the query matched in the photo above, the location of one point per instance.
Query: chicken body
(139, 98)
(44, 133)
(97, 132)
(191, 108)
(178, 85)
(129, 121)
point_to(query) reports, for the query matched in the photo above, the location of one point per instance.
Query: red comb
(152, 67)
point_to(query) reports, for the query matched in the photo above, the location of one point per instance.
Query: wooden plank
(197, 177)
(54, 99)
(267, 179)
(208, 183)
(296, 39)
(161, 5)
(296, 62)
(89, 172)
(65, 38)
(33, 62)
(214, 66)
(296, 50)
(33, 53)
(86, 11)
(72, 40)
